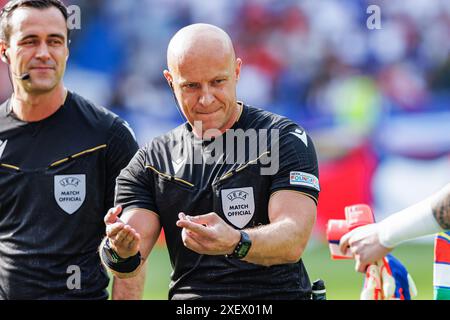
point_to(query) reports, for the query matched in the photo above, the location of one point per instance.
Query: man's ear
(169, 78)
(68, 49)
(3, 53)
(238, 69)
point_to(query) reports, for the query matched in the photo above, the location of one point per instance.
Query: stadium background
(376, 102)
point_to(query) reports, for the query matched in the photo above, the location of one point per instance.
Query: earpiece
(5, 58)
(23, 76)
(176, 101)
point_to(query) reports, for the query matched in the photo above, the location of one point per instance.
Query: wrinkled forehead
(203, 65)
(27, 21)
(203, 68)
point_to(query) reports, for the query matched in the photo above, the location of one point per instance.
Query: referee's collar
(9, 112)
(9, 108)
(240, 117)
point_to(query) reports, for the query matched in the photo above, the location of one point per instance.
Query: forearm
(278, 243)
(130, 289)
(292, 216)
(129, 275)
(427, 217)
(440, 206)
(147, 224)
(283, 240)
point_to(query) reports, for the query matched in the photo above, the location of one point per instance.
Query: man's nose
(207, 96)
(42, 52)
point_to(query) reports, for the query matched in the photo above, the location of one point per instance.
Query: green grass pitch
(342, 282)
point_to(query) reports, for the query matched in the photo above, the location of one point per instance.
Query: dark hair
(12, 5)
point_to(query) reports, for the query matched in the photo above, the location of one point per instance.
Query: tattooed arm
(441, 208)
(372, 242)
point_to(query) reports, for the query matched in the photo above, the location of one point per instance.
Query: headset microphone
(177, 104)
(24, 76)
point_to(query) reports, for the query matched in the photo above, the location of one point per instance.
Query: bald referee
(59, 158)
(233, 229)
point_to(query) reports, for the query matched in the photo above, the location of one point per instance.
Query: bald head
(197, 40)
(203, 73)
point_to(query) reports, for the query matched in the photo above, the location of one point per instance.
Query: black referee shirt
(57, 179)
(167, 178)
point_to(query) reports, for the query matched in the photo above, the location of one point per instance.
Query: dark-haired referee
(233, 230)
(59, 158)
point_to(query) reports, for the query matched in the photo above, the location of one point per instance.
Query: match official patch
(298, 178)
(238, 205)
(70, 192)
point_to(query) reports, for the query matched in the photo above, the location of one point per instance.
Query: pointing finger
(192, 226)
(182, 216)
(205, 219)
(112, 214)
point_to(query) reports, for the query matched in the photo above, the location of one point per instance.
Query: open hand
(123, 239)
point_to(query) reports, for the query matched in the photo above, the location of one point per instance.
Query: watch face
(243, 250)
(242, 247)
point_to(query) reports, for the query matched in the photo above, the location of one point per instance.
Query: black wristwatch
(242, 248)
(111, 254)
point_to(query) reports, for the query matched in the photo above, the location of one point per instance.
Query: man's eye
(55, 42)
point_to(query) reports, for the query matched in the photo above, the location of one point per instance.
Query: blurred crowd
(376, 102)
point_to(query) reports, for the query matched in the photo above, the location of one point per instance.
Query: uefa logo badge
(70, 192)
(238, 205)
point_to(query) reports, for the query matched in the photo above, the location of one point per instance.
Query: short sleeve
(121, 147)
(298, 167)
(135, 185)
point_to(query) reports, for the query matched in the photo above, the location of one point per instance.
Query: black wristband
(114, 262)
(242, 248)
